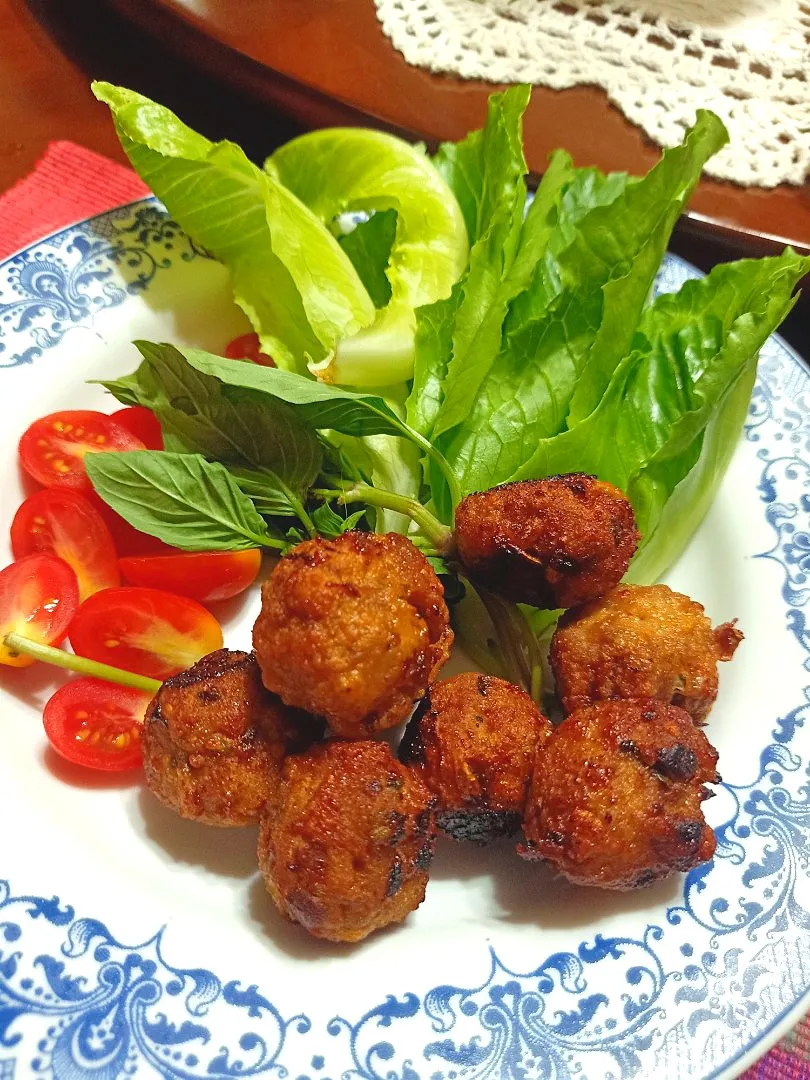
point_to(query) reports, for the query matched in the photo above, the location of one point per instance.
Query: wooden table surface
(49, 52)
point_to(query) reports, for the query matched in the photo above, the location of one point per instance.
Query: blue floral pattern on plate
(64, 280)
(76, 1004)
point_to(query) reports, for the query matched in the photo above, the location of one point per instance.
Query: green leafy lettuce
(341, 170)
(462, 336)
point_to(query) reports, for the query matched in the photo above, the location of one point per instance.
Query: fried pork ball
(346, 843)
(214, 740)
(553, 543)
(641, 641)
(353, 629)
(473, 739)
(615, 795)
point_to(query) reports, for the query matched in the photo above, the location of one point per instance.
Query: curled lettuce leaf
(340, 170)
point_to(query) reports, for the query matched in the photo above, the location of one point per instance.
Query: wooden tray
(328, 62)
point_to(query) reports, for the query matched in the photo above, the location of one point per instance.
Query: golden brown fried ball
(353, 629)
(641, 641)
(346, 843)
(553, 543)
(473, 739)
(615, 795)
(214, 739)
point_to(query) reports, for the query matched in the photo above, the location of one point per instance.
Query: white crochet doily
(658, 60)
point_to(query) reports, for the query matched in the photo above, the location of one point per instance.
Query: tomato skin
(53, 448)
(97, 724)
(247, 347)
(127, 539)
(205, 575)
(61, 521)
(142, 423)
(39, 595)
(147, 631)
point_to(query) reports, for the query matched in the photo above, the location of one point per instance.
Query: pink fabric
(790, 1060)
(68, 184)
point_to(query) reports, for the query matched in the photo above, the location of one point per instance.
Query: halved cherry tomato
(39, 596)
(53, 448)
(95, 723)
(62, 522)
(144, 630)
(247, 347)
(127, 539)
(202, 575)
(142, 423)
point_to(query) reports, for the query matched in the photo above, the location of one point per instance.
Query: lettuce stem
(505, 619)
(16, 643)
(533, 654)
(518, 643)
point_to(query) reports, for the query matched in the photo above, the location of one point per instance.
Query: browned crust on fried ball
(553, 543)
(473, 739)
(641, 641)
(214, 739)
(615, 795)
(346, 843)
(353, 629)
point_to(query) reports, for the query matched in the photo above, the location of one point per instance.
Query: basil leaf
(182, 499)
(257, 433)
(329, 524)
(319, 405)
(265, 491)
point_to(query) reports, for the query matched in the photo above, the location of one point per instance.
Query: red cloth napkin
(68, 184)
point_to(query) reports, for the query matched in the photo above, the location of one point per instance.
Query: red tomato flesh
(63, 522)
(247, 347)
(97, 724)
(142, 423)
(203, 575)
(144, 630)
(39, 596)
(53, 448)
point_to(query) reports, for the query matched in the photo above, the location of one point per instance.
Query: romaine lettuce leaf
(337, 170)
(673, 410)
(290, 276)
(488, 170)
(433, 347)
(559, 353)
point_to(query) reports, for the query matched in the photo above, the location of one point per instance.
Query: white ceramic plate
(134, 943)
